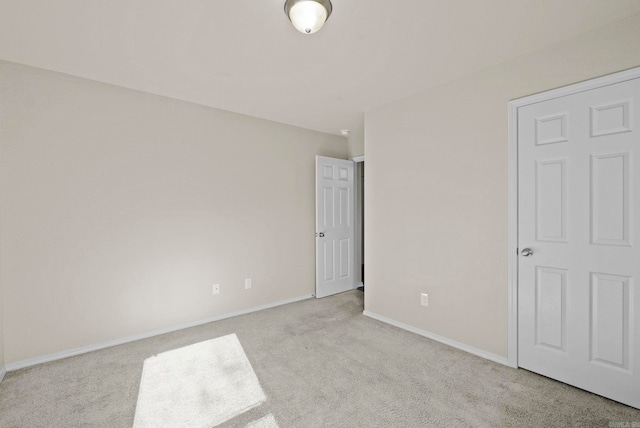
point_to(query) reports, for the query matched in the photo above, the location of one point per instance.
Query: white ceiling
(245, 56)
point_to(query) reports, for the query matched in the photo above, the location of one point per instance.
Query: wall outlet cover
(424, 299)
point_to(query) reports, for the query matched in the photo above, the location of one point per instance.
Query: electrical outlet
(424, 299)
(247, 283)
(216, 288)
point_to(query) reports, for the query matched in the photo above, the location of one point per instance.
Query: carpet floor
(320, 363)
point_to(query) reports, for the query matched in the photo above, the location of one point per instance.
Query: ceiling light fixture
(308, 16)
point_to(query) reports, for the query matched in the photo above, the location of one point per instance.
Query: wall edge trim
(128, 339)
(450, 342)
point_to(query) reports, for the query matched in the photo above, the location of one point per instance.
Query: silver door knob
(321, 234)
(527, 252)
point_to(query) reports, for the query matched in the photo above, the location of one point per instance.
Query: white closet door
(579, 240)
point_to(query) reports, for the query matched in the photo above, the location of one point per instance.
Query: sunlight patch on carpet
(201, 385)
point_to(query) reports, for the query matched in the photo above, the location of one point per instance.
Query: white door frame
(512, 245)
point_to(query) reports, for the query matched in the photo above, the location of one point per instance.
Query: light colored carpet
(197, 386)
(320, 363)
(266, 422)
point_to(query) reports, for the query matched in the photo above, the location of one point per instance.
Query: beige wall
(436, 196)
(121, 209)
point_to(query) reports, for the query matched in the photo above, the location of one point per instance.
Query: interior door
(335, 229)
(579, 237)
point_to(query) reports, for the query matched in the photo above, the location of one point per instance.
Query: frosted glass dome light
(308, 16)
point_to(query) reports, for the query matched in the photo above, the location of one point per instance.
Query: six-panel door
(579, 213)
(335, 229)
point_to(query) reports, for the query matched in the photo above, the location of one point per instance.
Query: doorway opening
(359, 205)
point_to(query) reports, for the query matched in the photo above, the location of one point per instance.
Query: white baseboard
(84, 349)
(463, 347)
(3, 371)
